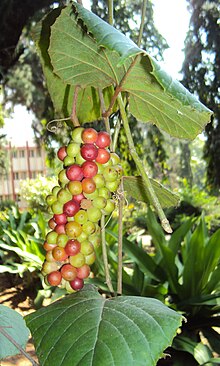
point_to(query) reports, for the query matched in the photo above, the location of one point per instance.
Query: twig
(152, 195)
(105, 256)
(120, 239)
(73, 115)
(143, 13)
(110, 12)
(18, 346)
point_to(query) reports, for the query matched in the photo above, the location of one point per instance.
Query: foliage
(21, 241)
(133, 322)
(201, 75)
(34, 191)
(13, 325)
(184, 271)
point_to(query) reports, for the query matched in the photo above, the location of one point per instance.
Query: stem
(118, 88)
(153, 197)
(120, 239)
(73, 115)
(105, 256)
(116, 133)
(110, 12)
(106, 119)
(18, 347)
(143, 13)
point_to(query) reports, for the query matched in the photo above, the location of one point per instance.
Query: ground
(15, 296)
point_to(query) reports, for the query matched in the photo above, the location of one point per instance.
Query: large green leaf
(61, 92)
(199, 351)
(13, 324)
(78, 58)
(135, 187)
(87, 329)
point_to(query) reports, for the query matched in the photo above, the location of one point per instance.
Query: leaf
(154, 96)
(87, 329)
(136, 188)
(107, 36)
(199, 351)
(13, 324)
(88, 104)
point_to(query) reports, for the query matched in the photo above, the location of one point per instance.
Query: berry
(54, 278)
(89, 135)
(74, 172)
(103, 139)
(103, 156)
(59, 254)
(73, 229)
(90, 169)
(48, 247)
(75, 187)
(71, 207)
(83, 272)
(72, 247)
(77, 134)
(88, 185)
(60, 218)
(61, 153)
(60, 229)
(89, 152)
(73, 149)
(77, 260)
(68, 272)
(77, 284)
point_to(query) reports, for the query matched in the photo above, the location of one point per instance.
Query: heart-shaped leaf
(135, 187)
(13, 324)
(87, 329)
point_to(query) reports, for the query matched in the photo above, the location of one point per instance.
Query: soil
(15, 295)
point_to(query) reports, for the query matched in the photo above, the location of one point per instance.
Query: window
(31, 153)
(23, 175)
(38, 152)
(14, 153)
(16, 175)
(21, 153)
(34, 175)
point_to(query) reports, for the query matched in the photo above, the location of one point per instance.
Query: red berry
(68, 272)
(60, 229)
(52, 224)
(54, 278)
(83, 272)
(103, 139)
(74, 172)
(70, 208)
(60, 218)
(89, 152)
(61, 153)
(48, 246)
(77, 284)
(72, 247)
(90, 169)
(79, 197)
(103, 156)
(89, 135)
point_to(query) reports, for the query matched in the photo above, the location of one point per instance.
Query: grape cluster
(90, 176)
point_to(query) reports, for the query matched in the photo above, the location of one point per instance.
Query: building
(22, 162)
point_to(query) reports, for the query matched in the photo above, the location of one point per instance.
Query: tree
(201, 70)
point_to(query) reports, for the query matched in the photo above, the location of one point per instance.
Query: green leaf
(179, 234)
(87, 329)
(107, 36)
(88, 103)
(199, 351)
(13, 324)
(136, 188)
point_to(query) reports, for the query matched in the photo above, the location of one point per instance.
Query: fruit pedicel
(90, 176)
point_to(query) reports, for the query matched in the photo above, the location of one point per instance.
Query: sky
(171, 19)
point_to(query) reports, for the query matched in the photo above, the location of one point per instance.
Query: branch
(110, 12)
(152, 195)
(143, 12)
(18, 346)
(105, 256)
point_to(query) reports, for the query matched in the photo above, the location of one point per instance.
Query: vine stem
(105, 256)
(120, 239)
(152, 195)
(143, 12)
(106, 119)
(18, 346)
(110, 12)
(73, 116)
(116, 134)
